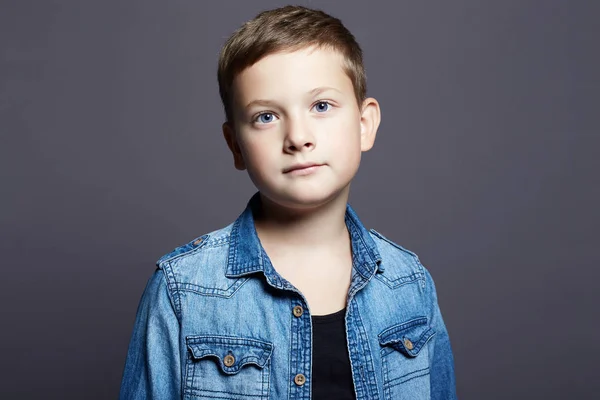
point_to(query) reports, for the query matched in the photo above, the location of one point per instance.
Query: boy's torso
(245, 329)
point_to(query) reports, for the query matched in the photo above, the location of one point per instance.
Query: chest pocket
(222, 367)
(405, 360)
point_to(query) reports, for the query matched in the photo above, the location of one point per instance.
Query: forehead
(283, 75)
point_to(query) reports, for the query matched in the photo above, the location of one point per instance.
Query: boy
(295, 299)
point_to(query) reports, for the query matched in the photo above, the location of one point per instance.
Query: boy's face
(295, 108)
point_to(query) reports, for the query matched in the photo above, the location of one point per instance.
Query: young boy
(295, 299)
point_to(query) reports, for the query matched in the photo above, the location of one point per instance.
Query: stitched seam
(266, 377)
(408, 377)
(217, 242)
(349, 343)
(421, 269)
(208, 242)
(405, 280)
(356, 233)
(369, 250)
(184, 253)
(289, 371)
(369, 360)
(245, 271)
(402, 327)
(232, 250)
(414, 377)
(190, 370)
(220, 339)
(202, 393)
(172, 286)
(385, 368)
(192, 288)
(248, 360)
(415, 257)
(382, 237)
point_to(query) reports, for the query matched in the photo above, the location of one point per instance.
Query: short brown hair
(288, 28)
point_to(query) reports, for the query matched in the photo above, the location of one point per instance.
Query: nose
(298, 136)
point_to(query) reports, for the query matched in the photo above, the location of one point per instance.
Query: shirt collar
(246, 254)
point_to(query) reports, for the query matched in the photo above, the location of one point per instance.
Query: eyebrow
(314, 92)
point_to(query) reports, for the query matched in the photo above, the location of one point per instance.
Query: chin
(303, 198)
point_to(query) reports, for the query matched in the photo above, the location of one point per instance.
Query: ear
(369, 123)
(229, 134)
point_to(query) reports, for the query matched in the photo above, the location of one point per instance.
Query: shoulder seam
(172, 287)
(382, 237)
(205, 241)
(194, 245)
(413, 255)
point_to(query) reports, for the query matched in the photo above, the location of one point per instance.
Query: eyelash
(255, 119)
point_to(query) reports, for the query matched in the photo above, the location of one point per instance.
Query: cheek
(344, 138)
(258, 153)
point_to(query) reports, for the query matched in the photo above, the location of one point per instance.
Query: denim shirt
(216, 321)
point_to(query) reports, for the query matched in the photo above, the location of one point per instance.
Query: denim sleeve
(442, 380)
(152, 368)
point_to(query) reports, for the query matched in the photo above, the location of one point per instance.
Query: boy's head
(293, 86)
(288, 29)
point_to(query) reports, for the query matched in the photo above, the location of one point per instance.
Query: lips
(300, 166)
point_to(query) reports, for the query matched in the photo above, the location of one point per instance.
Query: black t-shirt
(332, 374)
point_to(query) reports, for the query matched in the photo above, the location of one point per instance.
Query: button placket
(301, 349)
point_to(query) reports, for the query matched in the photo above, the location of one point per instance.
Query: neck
(312, 228)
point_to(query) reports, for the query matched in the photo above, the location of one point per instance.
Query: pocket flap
(231, 353)
(408, 337)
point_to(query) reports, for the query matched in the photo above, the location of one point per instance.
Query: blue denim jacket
(216, 321)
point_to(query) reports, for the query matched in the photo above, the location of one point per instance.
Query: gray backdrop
(486, 164)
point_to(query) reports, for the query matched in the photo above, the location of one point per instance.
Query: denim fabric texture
(216, 321)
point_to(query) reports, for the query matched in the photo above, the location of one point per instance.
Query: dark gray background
(486, 164)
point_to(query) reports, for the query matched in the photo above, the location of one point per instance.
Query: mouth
(302, 167)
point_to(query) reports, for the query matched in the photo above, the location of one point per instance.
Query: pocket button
(408, 344)
(229, 360)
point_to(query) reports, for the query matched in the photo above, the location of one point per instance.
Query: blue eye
(265, 118)
(322, 106)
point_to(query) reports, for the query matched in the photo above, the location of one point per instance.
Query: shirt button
(408, 344)
(298, 311)
(229, 360)
(197, 242)
(299, 379)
